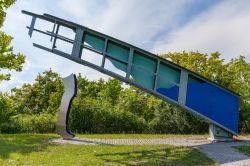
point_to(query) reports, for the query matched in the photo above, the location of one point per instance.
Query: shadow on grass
(157, 156)
(23, 144)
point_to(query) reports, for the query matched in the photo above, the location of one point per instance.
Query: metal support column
(32, 25)
(219, 134)
(156, 74)
(76, 51)
(183, 87)
(130, 59)
(104, 53)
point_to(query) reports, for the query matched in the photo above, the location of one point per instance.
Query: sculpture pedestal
(218, 134)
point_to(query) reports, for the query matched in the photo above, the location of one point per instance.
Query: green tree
(5, 112)
(43, 96)
(8, 59)
(4, 4)
(237, 78)
(210, 67)
(111, 91)
(133, 100)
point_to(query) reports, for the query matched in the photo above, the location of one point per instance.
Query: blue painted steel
(213, 103)
(171, 93)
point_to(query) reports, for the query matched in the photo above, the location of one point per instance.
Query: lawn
(34, 149)
(244, 149)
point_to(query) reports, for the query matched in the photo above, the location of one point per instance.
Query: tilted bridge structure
(152, 74)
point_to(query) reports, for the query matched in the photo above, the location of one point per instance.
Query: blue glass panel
(142, 77)
(167, 88)
(118, 52)
(167, 81)
(94, 42)
(144, 61)
(169, 73)
(118, 65)
(213, 102)
(143, 70)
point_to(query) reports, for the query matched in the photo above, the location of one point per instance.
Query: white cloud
(138, 21)
(134, 21)
(224, 28)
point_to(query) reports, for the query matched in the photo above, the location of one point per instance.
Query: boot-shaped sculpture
(70, 89)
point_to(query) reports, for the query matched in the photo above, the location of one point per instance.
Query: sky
(160, 26)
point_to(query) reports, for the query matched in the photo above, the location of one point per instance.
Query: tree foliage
(4, 4)
(8, 59)
(42, 96)
(100, 107)
(108, 107)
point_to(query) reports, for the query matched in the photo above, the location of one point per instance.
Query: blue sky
(156, 26)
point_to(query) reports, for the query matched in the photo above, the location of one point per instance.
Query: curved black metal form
(70, 90)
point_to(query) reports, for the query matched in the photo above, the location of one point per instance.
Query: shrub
(176, 121)
(42, 123)
(91, 116)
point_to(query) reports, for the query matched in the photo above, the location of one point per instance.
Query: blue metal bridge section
(137, 67)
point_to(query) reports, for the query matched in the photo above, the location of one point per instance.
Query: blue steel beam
(151, 73)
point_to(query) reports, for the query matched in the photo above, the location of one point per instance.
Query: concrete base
(218, 134)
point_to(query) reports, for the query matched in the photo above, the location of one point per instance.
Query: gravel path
(222, 152)
(170, 141)
(225, 154)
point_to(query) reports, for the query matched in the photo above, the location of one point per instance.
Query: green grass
(34, 149)
(244, 149)
(117, 136)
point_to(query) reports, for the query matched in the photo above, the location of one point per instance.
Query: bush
(42, 123)
(91, 116)
(9, 128)
(176, 121)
